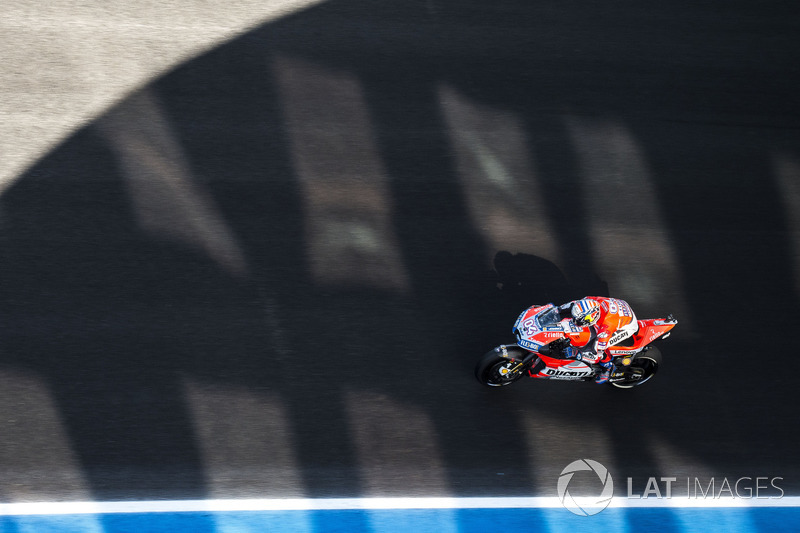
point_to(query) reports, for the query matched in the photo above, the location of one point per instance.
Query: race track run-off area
(251, 252)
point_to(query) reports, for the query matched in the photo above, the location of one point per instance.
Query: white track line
(333, 504)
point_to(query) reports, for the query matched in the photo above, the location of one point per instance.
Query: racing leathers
(616, 323)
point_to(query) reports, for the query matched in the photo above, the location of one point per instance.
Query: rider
(601, 322)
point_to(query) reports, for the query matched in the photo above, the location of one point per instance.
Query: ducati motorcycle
(543, 344)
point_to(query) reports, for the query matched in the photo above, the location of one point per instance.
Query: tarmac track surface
(270, 271)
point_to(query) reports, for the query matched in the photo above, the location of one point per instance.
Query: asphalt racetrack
(265, 264)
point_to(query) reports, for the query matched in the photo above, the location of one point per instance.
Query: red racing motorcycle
(542, 346)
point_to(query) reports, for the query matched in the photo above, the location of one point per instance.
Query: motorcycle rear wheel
(494, 370)
(648, 362)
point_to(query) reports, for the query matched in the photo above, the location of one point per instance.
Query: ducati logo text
(566, 373)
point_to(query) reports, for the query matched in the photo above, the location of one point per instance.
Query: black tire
(493, 369)
(648, 361)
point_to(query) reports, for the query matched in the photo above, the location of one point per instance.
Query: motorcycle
(543, 347)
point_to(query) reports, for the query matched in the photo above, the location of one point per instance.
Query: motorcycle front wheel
(642, 369)
(494, 370)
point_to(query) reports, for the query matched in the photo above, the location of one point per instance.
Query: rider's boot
(608, 369)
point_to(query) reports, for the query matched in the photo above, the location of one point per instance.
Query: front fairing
(541, 324)
(526, 328)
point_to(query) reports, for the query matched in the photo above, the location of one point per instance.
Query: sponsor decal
(620, 335)
(529, 345)
(559, 373)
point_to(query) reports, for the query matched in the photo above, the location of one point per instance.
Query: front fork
(523, 363)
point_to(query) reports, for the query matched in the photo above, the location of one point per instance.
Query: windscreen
(549, 318)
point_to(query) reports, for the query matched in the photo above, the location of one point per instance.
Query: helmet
(585, 312)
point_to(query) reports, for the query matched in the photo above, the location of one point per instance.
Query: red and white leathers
(617, 322)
